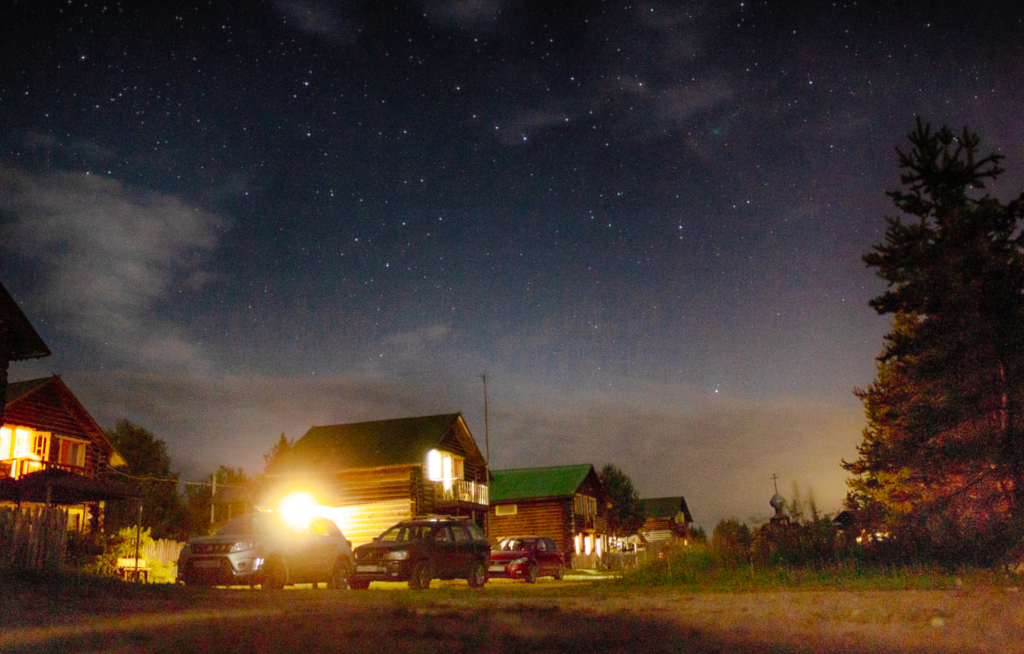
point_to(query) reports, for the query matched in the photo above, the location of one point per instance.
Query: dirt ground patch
(505, 618)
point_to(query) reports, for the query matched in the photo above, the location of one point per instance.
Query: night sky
(643, 222)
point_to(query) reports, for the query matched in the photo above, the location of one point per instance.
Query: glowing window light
(5, 443)
(297, 509)
(21, 441)
(599, 543)
(446, 471)
(576, 543)
(434, 471)
(587, 545)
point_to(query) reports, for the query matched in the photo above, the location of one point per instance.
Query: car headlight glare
(242, 545)
(400, 555)
(521, 560)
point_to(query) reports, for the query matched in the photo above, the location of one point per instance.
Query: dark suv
(422, 549)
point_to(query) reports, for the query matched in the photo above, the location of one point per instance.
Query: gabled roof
(536, 483)
(667, 507)
(22, 339)
(16, 390)
(64, 413)
(380, 443)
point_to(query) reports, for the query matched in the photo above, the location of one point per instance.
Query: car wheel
(358, 585)
(477, 575)
(420, 577)
(340, 575)
(531, 574)
(559, 572)
(274, 575)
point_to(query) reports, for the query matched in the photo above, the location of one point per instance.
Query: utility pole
(138, 541)
(487, 460)
(487, 437)
(213, 496)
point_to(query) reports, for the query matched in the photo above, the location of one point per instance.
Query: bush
(730, 543)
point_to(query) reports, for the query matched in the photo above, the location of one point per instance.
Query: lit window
(5, 443)
(21, 443)
(446, 471)
(434, 465)
(72, 453)
(41, 446)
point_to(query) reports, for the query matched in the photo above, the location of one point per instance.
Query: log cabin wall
(472, 470)
(591, 487)
(44, 410)
(423, 492)
(551, 518)
(368, 501)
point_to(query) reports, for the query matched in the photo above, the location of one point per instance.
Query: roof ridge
(367, 422)
(572, 465)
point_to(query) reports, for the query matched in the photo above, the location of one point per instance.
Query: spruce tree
(943, 453)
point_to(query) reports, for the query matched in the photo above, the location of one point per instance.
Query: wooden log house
(668, 518)
(368, 476)
(567, 504)
(47, 433)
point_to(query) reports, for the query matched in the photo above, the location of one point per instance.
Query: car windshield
(407, 532)
(516, 544)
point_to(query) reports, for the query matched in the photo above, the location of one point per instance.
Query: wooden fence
(619, 561)
(164, 552)
(33, 539)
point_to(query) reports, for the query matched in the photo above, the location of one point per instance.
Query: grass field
(88, 615)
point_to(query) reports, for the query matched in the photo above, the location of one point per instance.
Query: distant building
(667, 518)
(567, 504)
(368, 476)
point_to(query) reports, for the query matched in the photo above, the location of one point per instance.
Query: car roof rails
(436, 516)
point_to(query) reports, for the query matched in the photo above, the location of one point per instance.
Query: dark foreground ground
(69, 616)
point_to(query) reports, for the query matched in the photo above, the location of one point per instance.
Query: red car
(526, 557)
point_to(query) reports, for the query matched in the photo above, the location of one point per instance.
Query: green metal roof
(374, 444)
(533, 483)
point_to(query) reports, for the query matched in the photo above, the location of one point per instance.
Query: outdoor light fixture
(297, 509)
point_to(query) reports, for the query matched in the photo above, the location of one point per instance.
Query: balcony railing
(591, 523)
(459, 490)
(21, 467)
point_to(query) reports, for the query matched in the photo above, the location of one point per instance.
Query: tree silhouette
(942, 452)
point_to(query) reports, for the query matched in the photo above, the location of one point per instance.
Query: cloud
(419, 339)
(82, 149)
(109, 258)
(234, 420)
(718, 452)
(315, 18)
(465, 14)
(680, 103)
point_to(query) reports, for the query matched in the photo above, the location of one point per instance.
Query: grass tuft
(696, 569)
